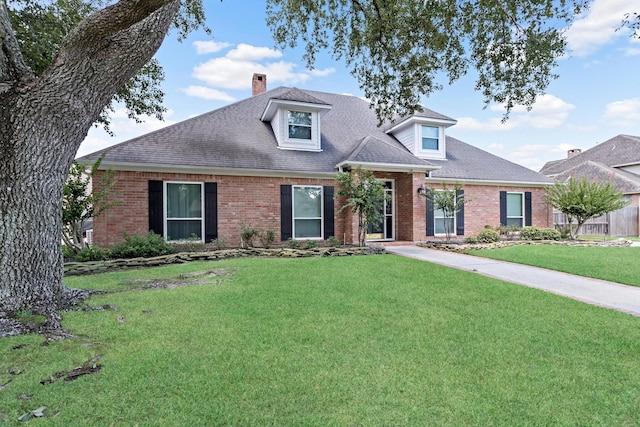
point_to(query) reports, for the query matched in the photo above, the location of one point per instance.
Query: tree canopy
(400, 50)
(581, 199)
(41, 25)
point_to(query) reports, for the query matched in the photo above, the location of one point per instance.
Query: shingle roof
(466, 162)
(619, 150)
(375, 151)
(626, 182)
(234, 137)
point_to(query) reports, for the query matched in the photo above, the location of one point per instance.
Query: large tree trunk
(42, 123)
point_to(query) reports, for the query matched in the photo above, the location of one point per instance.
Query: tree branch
(12, 65)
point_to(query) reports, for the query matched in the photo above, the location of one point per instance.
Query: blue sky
(596, 97)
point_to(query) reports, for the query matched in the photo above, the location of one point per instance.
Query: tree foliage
(400, 50)
(40, 27)
(83, 199)
(364, 195)
(581, 199)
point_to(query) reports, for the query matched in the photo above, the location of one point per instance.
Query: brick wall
(256, 201)
(484, 206)
(241, 200)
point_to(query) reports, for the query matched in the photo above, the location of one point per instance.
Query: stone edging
(81, 268)
(506, 243)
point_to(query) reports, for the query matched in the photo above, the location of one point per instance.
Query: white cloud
(597, 27)
(236, 68)
(322, 73)
(534, 156)
(548, 112)
(623, 113)
(247, 52)
(207, 93)
(204, 47)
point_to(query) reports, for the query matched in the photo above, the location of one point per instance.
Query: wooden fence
(620, 223)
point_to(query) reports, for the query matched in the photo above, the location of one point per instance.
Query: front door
(384, 230)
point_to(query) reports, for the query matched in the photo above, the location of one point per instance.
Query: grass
(377, 340)
(616, 264)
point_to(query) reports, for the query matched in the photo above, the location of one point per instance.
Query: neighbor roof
(235, 138)
(619, 150)
(624, 181)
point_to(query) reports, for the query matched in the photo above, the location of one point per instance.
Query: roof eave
(386, 167)
(203, 170)
(489, 182)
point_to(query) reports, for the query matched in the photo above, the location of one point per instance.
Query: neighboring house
(270, 161)
(616, 160)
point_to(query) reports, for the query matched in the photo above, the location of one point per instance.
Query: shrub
(247, 235)
(564, 230)
(142, 246)
(292, 244)
(508, 231)
(488, 235)
(550, 234)
(88, 253)
(217, 244)
(471, 240)
(310, 244)
(93, 253)
(530, 233)
(267, 237)
(333, 242)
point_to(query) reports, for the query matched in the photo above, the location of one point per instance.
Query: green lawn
(376, 340)
(616, 264)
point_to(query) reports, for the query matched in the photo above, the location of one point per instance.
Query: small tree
(581, 199)
(79, 202)
(449, 202)
(364, 194)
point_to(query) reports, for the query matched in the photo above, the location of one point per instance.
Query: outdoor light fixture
(421, 190)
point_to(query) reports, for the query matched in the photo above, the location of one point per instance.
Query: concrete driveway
(591, 291)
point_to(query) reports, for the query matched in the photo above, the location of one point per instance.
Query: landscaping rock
(80, 268)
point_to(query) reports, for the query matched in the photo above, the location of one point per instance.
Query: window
(443, 224)
(299, 124)
(307, 212)
(184, 209)
(515, 209)
(430, 137)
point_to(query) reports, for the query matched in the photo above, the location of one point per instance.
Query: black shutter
(210, 211)
(156, 211)
(460, 214)
(327, 192)
(286, 213)
(503, 208)
(431, 222)
(527, 208)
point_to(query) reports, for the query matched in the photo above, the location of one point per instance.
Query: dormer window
(430, 137)
(296, 120)
(299, 124)
(424, 137)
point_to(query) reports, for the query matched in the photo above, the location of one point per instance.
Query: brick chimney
(258, 84)
(573, 152)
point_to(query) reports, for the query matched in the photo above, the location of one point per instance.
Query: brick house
(270, 161)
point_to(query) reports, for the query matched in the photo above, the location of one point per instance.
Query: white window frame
(312, 144)
(293, 213)
(435, 228)
(440, 153)
(521, 208)
(164, 208)
(310, 126)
